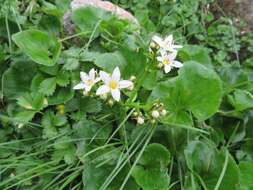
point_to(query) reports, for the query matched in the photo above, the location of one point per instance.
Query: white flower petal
(177, 64)
(160, 59)
(125, 84)
(102, 90)
(172, 56)
(158, 40)
(167, 68)
(116, 74)
(84, 77)
(116, 94)
(105, 77)
(177, 46)
(92, 74)
(97, 79)
(88, 88)
(169, 40)
(79, 86)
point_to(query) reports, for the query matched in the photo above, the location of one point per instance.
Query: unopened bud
(163, 112)
(155, 114)
(153, 121)
(153, 45)
(131, 87)
(160, 65)
(21, 125)
(135, 114)
(110, 102)
(132, 78)
(103, 96)
(140, 120)
(85, 93)
(45, 102)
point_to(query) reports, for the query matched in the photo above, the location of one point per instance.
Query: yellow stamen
(166, 62)
(113, 85)
(89, 82)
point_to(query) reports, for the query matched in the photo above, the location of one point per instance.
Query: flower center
(166, 62)
(113, 85)
(89, 82)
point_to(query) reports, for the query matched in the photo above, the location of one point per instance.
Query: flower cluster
(112, 83)
(168, 52)
(153, 115)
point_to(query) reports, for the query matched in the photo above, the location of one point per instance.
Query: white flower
(140, 120)
(166, 44)
(168, 61)
(155, 114)
(87, 80)
(113, 84)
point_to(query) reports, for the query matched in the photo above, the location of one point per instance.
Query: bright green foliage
(246, 178)
(188, 91)
(151, 173)
(87, 18)
(208, 163)
(187, 129)
(241, 100)
(39, 46)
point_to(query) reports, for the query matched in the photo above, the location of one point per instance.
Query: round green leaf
(200, 89)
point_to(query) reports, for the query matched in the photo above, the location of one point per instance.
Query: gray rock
(106, 5)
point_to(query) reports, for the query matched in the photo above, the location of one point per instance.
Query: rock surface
(106, 5)
(241, 9)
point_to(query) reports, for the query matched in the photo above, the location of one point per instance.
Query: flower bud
(110, 102)
(153, 121)
(85, 93)
(140, 120)
(135, 114)
(152, 44)
(160, 65)
(163, 112)
(131, 87)
(132, 78)
(103, 96)
(21, 125)
(155, 114)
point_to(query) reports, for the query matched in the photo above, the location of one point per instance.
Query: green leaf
(94, 176)
(39, 46)
(17, 79)
(195, 53)
(233, 76)
(24, 116)
(61, 96)
(208, 163)
(241, 100)
(48, 86)
(201, 89)
(34, 101)
(155, 155)
(151, 178)
(62, 78)
(246, 175)
(65, 148)
(87, 18)
(151, 171)
(150, 82)
(25, 101)
(108, 61)
(197, 89)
